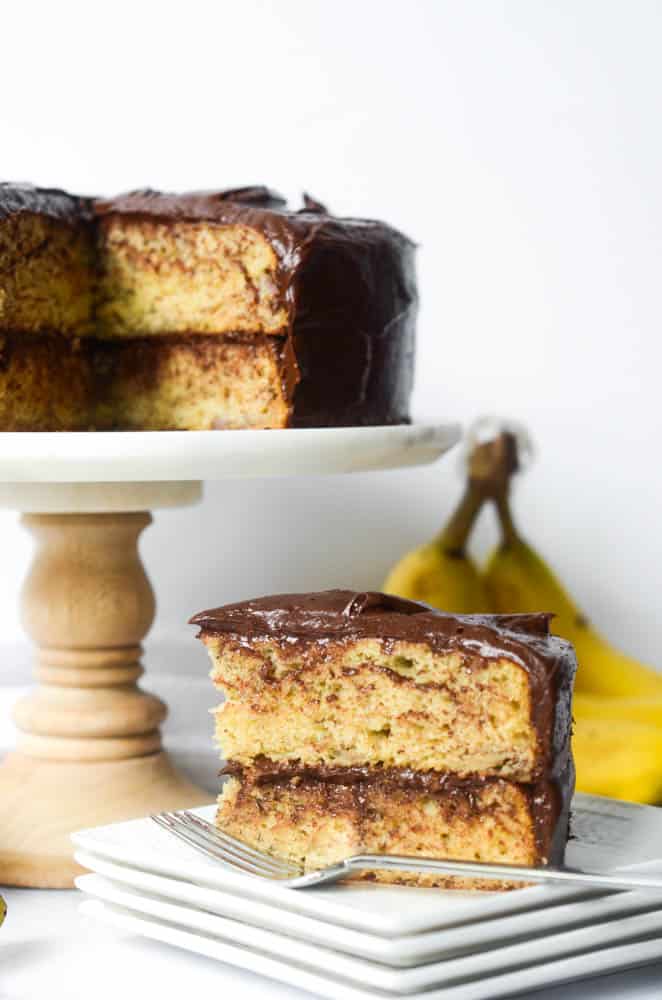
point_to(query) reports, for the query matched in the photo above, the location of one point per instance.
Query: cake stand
(89, 748)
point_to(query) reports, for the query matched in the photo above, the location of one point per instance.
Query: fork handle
(518, 873)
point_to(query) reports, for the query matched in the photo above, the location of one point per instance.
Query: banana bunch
(617, 706)
(441, 572)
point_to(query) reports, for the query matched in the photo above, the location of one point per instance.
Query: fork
(217, 844)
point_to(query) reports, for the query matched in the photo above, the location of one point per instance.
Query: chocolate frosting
(312, 205)
(345, 615)
(349, 291)
(340, 614)
(198, 206)
(18, 198)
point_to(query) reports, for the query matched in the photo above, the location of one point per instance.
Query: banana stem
(490, 467)
(508, 530)
(453, 539)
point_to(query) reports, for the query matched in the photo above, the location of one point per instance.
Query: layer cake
(200, 311)
(359, 722)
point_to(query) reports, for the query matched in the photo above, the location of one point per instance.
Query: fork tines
(221, 846)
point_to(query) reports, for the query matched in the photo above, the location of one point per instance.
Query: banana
(595, 706)
(444, 578)
(618, 758)
(605, 670)
(441, 572)
(517, 579)
(617, 745)
(3, 911)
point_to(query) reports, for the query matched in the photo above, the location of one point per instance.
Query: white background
(517, 142)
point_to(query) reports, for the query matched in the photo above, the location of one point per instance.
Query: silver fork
(217, 844)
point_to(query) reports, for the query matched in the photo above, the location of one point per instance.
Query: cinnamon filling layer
(549, 801)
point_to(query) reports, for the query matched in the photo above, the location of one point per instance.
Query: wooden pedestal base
(89, 749)
(43, 801)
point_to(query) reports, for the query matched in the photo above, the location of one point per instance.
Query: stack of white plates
(362, 942)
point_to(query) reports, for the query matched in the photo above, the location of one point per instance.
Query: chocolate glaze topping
(332, 613)
(18, 198)
(348, 287)
(201, 206)
(312, 205)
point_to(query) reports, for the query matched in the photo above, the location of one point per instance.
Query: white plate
(480, 963)
(147, 456)
(405, 951)
(607, 834)
(600, 961)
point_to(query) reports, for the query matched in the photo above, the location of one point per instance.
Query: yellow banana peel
(605, 670)
(441, 572)
(617, 704)
(594, 706)
(518, 580)
(437, 577)
(618, 758)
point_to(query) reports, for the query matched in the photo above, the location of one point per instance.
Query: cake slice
(364, 722)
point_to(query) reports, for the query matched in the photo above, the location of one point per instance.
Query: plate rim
(421, 975)
(610, 959)
(398, 951)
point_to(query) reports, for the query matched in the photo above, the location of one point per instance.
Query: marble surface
(46, 946)
(156, 456)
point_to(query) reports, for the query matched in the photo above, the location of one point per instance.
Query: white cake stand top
(138, 470)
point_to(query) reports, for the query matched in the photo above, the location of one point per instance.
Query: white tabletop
(48, 948)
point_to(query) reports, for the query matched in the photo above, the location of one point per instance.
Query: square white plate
(607, 834)
(370, 974)
(244, 915)
(599, 961)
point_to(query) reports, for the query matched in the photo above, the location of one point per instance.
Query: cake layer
(181, 277)
(374, 701)
(348, 679)
(45, 383)
(315, 817)
(51, 382)
(46, 271)
(189, 383)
